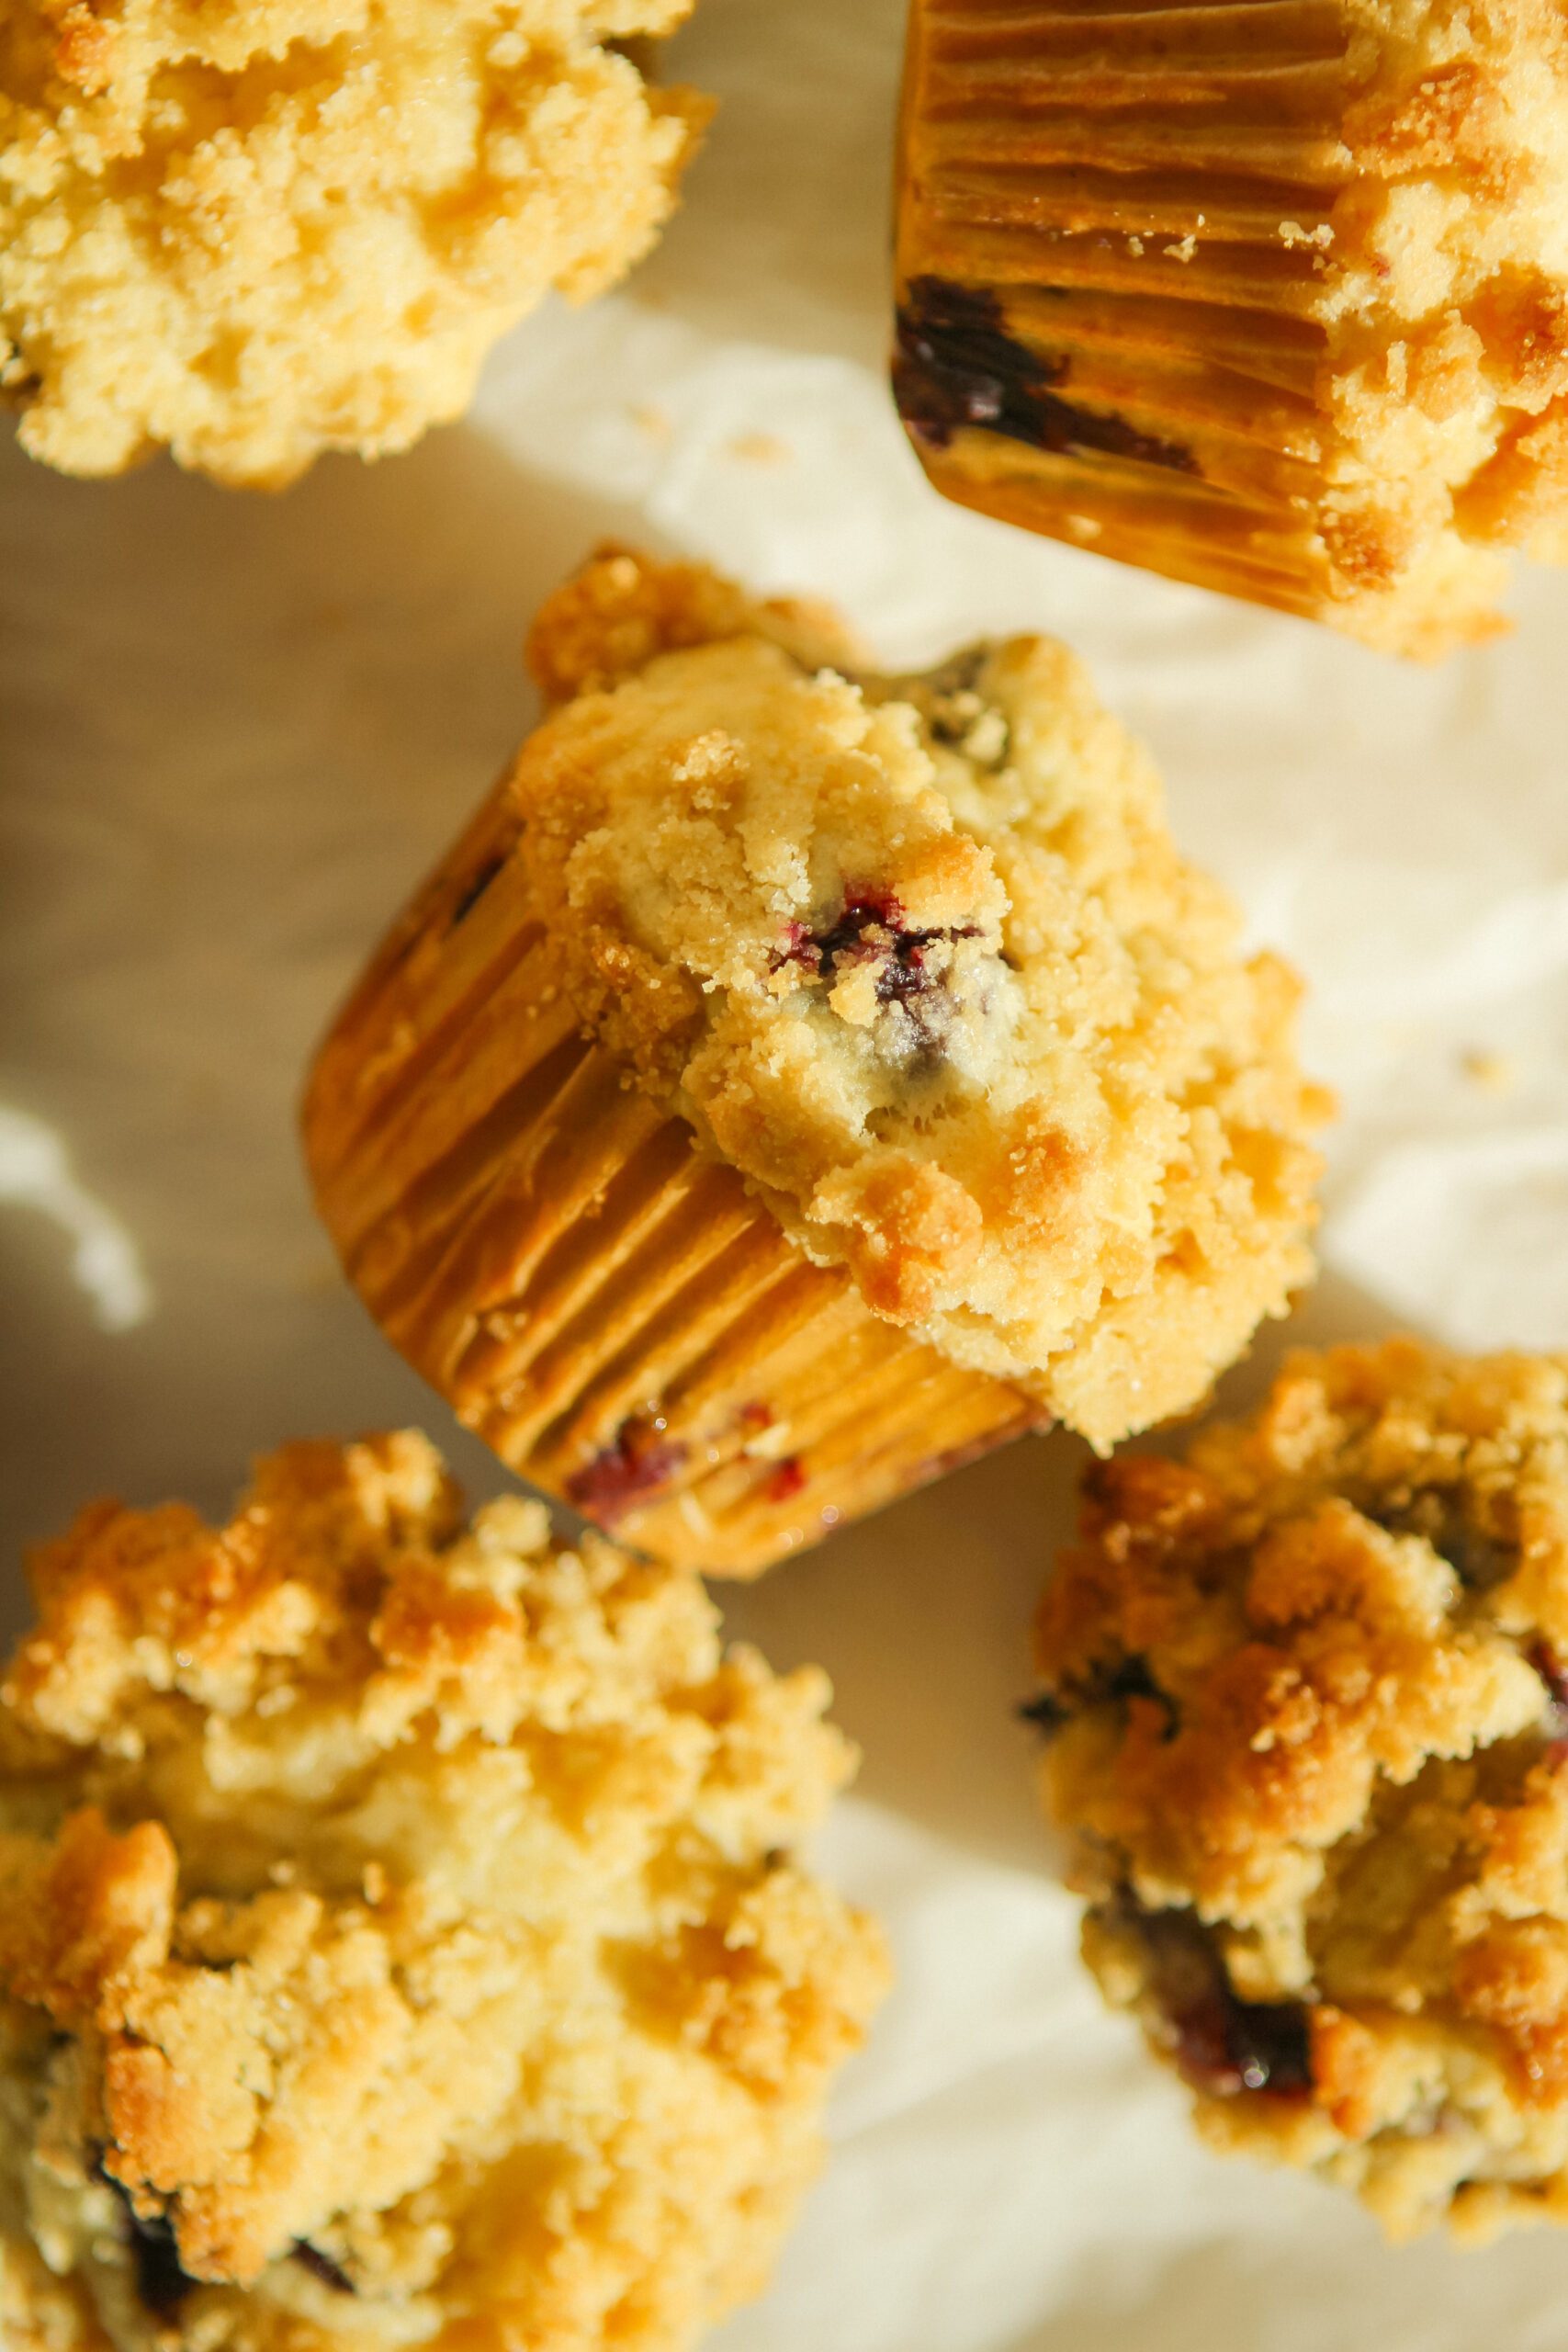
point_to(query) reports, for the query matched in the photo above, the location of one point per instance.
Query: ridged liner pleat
(1118, 179)
(610, 1310)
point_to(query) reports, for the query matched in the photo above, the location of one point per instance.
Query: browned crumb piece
(402, 1940)
(1307, 1693)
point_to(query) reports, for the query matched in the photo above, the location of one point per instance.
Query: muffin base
(608, 1308)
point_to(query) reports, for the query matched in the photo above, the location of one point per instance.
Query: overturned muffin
(252, 233)
(1307, 1698)
(797, 1081)
(1272, 297)
(403, 1941)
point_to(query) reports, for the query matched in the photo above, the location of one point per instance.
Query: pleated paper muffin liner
(1111, 233)
(605, 1305)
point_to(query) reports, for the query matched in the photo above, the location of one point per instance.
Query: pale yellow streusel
(254, 232)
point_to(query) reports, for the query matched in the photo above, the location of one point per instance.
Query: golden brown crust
(252, 233)
(402, 1940)
(1312, 1697)
(918, 958)
(619, 612)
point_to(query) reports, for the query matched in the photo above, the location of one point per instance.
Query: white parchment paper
(232, 733)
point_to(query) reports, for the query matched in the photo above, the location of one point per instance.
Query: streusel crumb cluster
(402, 1936)
(1307, 1698)
(254, 232)
(1444, 297)
(920, 959)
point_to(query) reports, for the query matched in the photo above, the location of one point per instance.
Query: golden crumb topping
(1307, 1693)
(1445, 296)
(254, 232)
(920, 959)
(402, 1940)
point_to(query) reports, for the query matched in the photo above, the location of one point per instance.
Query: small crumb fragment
(1185, 249)
(1493, 1073)
(759, 449)
(1292, 234)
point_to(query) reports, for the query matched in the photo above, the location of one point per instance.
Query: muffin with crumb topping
(252, 232)
(404, 1938)
(1272, 296)
(1306, 1694)
(799, 1080)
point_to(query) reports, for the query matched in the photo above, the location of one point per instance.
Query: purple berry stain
(787, 1481)
(641, 1460)
(957, 365)
(1222, 2044)
(871, 929)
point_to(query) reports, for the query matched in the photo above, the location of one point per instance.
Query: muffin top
(254, 231)
(919, 958)
(1307, 1697)
(402, 1938)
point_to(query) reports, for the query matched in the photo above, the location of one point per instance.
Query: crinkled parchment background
(233, 731)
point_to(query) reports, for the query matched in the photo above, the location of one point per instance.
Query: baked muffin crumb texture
(1307, 1697)
(919, 958)
(254, 232)
(403, 1941)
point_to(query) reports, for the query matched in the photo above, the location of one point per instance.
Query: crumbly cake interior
(403, 1941)
(254, 232)
(1444, 291)
(919, 958)
(1306, 1696)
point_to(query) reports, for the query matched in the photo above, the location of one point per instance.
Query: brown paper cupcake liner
(1109, 257)
(609, 1309)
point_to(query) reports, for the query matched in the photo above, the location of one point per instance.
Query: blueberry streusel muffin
(252, 232)
(1272, 297)
(1307, 1700)
(402, 1940)
(798, 1080)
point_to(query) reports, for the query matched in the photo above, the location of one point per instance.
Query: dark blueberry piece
(1554, 1674)
(1222, 2044)
(476, 887)
(1131, 1679)
(951, 693)
(868, 918)
(640, 1460)
(320, 2265)
(161, 2284)
(872, 928)
(957, 365)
